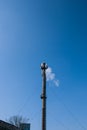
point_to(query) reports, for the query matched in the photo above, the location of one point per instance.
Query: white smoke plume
(51, 77)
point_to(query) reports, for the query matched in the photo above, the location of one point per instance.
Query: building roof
(7, 126)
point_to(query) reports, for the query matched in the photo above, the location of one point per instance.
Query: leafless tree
(17, 120)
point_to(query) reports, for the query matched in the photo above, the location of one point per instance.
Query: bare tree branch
(17, 120)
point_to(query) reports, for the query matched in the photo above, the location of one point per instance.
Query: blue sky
(55, 32)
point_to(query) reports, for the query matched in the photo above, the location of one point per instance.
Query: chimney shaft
(43, 95)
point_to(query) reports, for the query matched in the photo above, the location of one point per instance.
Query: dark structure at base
(7, 126)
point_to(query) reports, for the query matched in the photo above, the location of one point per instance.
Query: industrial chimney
(43, 95)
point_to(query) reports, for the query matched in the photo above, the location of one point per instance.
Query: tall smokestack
(43, 95)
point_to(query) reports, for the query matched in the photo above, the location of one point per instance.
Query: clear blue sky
(54, 31)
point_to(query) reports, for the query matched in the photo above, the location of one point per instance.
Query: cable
(28, 99)
(73, 116)
(60, 122)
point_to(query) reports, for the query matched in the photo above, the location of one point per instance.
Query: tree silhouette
(17, 120)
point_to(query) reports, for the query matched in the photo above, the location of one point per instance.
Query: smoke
(51, 77)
